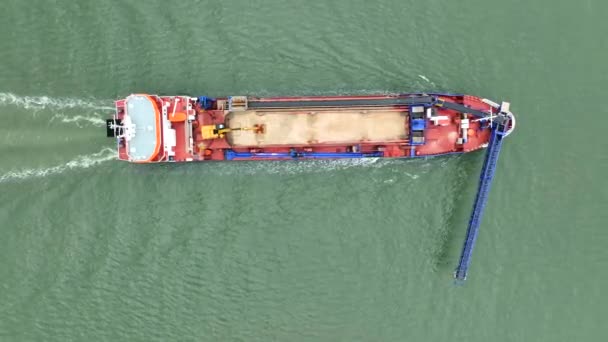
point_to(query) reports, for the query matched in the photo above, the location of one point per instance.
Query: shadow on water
(459, 207)
(459, 190)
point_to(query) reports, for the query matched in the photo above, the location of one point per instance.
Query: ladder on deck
(499, 131)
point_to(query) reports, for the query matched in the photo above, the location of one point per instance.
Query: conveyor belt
(460, 108)
(485, 182)
(389, 101)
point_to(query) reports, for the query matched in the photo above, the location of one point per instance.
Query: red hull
(392, 126)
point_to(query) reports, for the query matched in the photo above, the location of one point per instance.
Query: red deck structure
(151, 128)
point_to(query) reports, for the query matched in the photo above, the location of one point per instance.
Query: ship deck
(318, 126)
(283, 127)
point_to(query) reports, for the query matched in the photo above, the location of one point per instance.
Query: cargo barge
(156, 129)
(152, 129)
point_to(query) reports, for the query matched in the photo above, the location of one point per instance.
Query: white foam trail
(79, 120)
(424, 78)
(304, 166)
(288, 167)
(42, 102)
(80, 162)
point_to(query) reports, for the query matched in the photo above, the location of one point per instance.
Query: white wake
(80, 120)
(42, 102)
(80, 162)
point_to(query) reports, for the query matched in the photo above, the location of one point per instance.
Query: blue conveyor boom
(499, 130)
(231, 155)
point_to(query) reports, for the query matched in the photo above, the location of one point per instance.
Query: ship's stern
(136, 126)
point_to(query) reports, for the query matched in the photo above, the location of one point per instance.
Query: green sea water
(92, 249)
